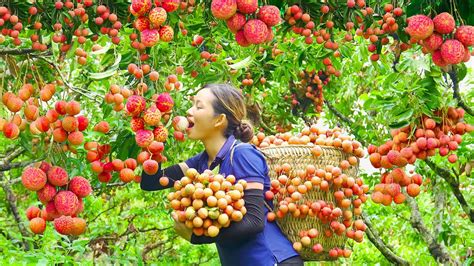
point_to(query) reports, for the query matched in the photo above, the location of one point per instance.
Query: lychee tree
(81, 79)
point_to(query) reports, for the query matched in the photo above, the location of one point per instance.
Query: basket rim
(301, 146)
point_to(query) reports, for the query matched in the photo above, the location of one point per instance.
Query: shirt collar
(225, 149)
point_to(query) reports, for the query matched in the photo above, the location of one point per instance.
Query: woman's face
(203, 123)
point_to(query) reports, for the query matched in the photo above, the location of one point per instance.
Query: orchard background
(352, 64)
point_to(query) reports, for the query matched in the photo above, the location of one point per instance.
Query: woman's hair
(229, 101)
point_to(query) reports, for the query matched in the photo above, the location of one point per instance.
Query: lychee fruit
(82, 123)
(70, 123)
(102, 126)
(144, 137)
(157, 16)
(419, 27)
(37, 225)
(270, 15)
(223, 9)
(66, 202)
(73, 108)
(33, 178)
(438, 59)
(78, 226)
(50, 211)
(433, 42)
(63, 225)
(137, 123)
(444, 23)
(75, 138)
(150, 37)
(127, 175)
(465, 34)
(57, 176)
(247, 6)
(166, 33)
(236, 22)
(255, 31)
(164, 102)
(180, 123)
(141, 7)
(141, 24)
(170, 5)
(11, 130)
(32, 212)
(150, 167)
(160, 133)
(80, 186)
(47, 193)
(152, 116)
(452, 51)
(135, 105)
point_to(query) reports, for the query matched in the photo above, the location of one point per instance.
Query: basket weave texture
(299, 156)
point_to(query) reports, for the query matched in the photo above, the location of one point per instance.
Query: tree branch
(12, 155)
(439, 202)
(337, 113)
(374, 237)
(454, 184)
(437, 250)
(12, 202)
(454, 77)
(6, 166)
(23, 52)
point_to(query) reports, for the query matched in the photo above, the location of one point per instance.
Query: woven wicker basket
(299, 156)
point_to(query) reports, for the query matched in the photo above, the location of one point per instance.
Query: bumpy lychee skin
(236, 22)
(420, 27)
(166, 33)
(141, 23)
(438, 59)
(467, 55)
(452, 51)
(33, 179)
(465, 34)
(63, 225)
(50, 211)
(78, 226)
(80, 186)
(150, 37)
(170, 5)
(255, 31)
(247, 6)
(137, 123)
(66, 202)
(141, 6)
(135, 105)
(241, 40)
(57, 176)
(47, 193)
(37, 225)
(223, 9)
(32, 212)
(270, 15)
(160, 133)
(157, 16)
(433, 42)
(144, 137)
(444, 23)
(152, 116)
(82, 123)
(164, 102)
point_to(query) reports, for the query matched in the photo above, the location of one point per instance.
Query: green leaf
(242, 63)
(108, 73)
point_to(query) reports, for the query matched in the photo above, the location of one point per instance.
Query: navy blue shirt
(267, 247)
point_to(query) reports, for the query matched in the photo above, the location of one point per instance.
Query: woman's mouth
(191, 124)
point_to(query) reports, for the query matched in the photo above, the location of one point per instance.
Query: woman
(216, 119)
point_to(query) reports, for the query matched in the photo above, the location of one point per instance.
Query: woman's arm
(174, 172)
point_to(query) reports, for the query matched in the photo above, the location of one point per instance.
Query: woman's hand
(181, 229)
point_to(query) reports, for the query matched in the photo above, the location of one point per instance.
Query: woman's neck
(213, 145)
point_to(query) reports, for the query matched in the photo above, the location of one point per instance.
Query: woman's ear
(221, 120)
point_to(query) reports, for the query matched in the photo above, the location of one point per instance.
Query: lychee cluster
(150, 21)
(417, 141)
(101, 164)
(436, 37)
(250, 23)
(312, 83)
(206, 202)
(26, 98)
(61, 197)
